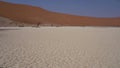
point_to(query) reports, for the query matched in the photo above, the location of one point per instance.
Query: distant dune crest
(36, 15)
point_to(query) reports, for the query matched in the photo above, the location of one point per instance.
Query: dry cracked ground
(61, 47)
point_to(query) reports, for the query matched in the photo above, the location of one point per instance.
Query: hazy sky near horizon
(95, 8)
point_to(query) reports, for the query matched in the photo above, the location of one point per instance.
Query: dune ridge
(37, 15)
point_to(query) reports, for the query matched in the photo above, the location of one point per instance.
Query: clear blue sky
(95, 8)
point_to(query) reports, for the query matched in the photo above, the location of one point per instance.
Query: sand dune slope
(6, 22)
(35, 15)
(60, 47)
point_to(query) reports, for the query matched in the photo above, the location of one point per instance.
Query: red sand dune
(35, 15)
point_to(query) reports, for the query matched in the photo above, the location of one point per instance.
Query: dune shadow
(8, 29)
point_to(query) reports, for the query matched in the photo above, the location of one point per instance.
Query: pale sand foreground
(61, 47)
